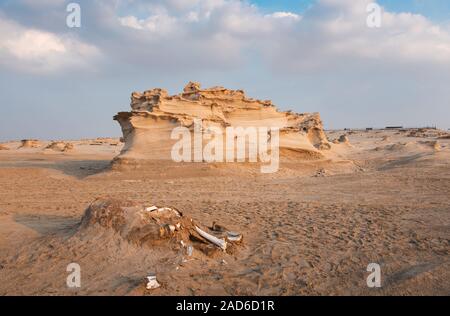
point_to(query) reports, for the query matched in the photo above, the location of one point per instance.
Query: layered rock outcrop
(148, 127)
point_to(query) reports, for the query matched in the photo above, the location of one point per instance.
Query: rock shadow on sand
(47, 224)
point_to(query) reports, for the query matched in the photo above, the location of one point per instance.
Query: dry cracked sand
(309, 229)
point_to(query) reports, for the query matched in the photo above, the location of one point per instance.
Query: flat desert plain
(311, 228)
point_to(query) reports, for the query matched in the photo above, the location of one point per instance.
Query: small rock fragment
(152, 282)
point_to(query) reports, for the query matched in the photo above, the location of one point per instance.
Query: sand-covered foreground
(311, 228)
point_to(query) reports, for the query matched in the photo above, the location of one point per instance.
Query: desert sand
(375, 196)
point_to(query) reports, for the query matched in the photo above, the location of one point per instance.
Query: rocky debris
(427, 133)
(60, 146)
(343, 139)
(151, 226)
(320, 173)
(154, 115)
(30, 143)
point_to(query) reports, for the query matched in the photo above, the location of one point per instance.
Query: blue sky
(307, 56)
(297, 6)
(437, 10)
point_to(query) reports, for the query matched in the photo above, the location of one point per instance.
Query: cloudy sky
(306, 55)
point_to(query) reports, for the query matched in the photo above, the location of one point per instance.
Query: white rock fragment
(151, 208)
(152, 282)
(190, 250)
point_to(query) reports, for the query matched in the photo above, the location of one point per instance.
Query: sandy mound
(60, 146)
(148, 128)
(150, 226)
(398, 147)
(3, 147)
(410, 147)
(343, 139)
(30, 143)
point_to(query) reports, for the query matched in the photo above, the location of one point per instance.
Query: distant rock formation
(147, 128)
(60, 146)
(30, 143)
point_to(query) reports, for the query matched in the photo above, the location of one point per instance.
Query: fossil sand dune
(147, 128)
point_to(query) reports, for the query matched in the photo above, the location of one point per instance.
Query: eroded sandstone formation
(147, 128)
(60, 146)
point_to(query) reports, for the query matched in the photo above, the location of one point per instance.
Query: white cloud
(131, 22)
(284, 15)
(335, 31)
(212, 34)
(37, 51)
(192, 17)
(326, 33)
(160, 24)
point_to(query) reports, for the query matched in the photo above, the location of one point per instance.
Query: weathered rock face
(147, 128)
